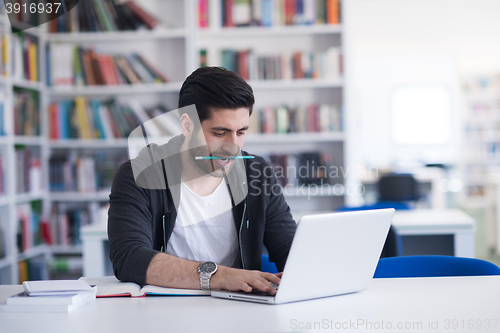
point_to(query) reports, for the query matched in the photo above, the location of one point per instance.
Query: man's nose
(230, 144)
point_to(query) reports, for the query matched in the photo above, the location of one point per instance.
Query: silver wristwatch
(206, 270)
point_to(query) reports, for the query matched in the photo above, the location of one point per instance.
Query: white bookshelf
(174, 49)
(481, 139)
(9, 202)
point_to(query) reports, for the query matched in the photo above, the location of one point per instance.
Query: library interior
(359, 105)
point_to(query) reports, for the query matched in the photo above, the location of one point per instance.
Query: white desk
(439, 222)
(405, 301)
(423, 222)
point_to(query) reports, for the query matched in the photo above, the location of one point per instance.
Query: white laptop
(331, 254)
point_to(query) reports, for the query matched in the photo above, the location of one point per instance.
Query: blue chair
(430, 266)
(267, 266)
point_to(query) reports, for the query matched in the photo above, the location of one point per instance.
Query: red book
(112, 123)
(203, 13)
(297, 60)
(243, 64)
(94, 61)
(229, 13)
(54, 130)
(150, 21)
(289, 11)
(112, 69)
(46, 235)
(87, 67)
(103, 69)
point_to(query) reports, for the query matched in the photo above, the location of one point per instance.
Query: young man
(205, 226)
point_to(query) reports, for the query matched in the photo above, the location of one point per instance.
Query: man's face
(224, 135)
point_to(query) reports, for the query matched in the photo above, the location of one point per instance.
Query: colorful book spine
(267, 13)
(86, 174)
(312, 118)
(79, 66)
(284, 66)
(26, 113)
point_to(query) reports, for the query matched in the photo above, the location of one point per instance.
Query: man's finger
(272, 278)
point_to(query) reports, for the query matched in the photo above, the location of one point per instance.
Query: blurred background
(381, 103)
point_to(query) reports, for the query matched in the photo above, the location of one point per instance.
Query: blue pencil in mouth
(198, 158)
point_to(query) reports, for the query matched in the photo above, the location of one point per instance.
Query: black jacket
(140, 196)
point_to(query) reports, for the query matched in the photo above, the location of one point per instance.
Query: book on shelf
(2, 114)
(3, 243)
(270, 13)
(284, 66)
(26, 112)
(65, 224)
(104, 15)
(25, 57)
(84, 174)
(29, 228)
(78, 66)
(4, 53)
(84, 118)
(110, 286)
(305, 169)
(313, 118)
(2, 176)
(28, 175)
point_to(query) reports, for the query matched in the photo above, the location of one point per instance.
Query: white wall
(389, 42)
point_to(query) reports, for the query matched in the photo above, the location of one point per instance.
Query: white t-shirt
(204, 228)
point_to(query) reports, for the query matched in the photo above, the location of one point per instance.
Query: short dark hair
(215, 88)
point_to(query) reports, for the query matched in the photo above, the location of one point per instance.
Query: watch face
(207, 267)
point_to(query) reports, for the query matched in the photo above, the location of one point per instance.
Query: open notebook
(110, 286)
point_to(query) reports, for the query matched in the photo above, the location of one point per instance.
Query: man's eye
(241, 133)
(219, 134)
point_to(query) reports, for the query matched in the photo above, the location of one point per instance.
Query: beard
(215, 168)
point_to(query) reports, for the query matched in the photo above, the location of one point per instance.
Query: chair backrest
(267, 266)
(430, 266)
(398, 187)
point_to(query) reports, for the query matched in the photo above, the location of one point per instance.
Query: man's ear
(187, 125)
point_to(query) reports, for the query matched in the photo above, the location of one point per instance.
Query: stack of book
(25, 57)
(78, 66)
(284, 66)
(50, 296)
(107, 15)
(96, 119)
(300, 119)
(26, 113)
(268, 13)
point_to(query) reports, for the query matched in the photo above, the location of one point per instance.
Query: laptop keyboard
(259, 292)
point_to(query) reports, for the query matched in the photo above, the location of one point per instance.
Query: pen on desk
(223, 158)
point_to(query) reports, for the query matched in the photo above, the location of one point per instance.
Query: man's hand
(240, 279)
